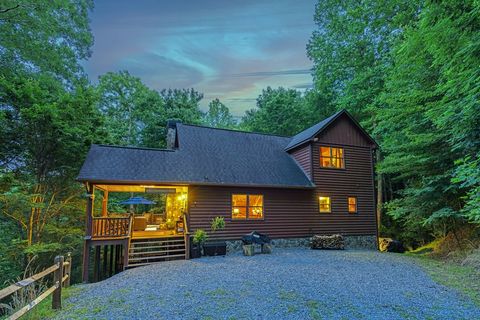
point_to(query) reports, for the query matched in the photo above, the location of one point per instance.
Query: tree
(128, 105)
(183, 104)
(351, 49)
(279, 111)
(428, 121)
(218, 115)
(48, 37)
(48, 119)
(52, 127)
(177, 104)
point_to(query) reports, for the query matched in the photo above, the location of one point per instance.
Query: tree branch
(9, 9)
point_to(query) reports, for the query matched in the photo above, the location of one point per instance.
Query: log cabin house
(320, 181)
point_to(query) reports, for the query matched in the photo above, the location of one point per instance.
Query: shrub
(218, 223)
(200, 237)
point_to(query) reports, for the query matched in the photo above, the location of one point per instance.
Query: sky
(228, 49)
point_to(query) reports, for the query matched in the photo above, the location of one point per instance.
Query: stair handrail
(130, 223)
(185, 226)
(186, 236)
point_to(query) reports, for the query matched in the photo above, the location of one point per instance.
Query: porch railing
(111, 227)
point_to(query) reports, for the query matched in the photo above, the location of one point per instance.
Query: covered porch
(129, 225)
(151, 211)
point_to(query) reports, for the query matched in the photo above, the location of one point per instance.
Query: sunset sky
(229, 50)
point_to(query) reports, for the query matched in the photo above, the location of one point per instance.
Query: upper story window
(331, 157)
(247, 206)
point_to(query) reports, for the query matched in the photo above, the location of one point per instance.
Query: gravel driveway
(291, 283)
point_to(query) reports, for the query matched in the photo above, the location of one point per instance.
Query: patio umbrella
(137, 200)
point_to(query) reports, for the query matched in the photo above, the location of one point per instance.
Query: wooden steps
(147, 251)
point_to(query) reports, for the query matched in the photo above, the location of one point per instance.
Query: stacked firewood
(334, 241)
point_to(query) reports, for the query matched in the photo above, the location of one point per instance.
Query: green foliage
(47, 37)
(218, 116)
(11, 257)
(127, 104)
(178, 104)
(467, 175)
(417, 122)
(279, 111)
(48, 119)
(218, 223)
(199, 237)
(46, 125)
(136, 115)
(351, 49)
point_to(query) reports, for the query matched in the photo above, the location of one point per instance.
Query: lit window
(331, 157)
(247, 206)
(324, 204)
(352, 204)
(239, 206)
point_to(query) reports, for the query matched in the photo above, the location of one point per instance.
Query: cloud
(225, 49)
(272, 73)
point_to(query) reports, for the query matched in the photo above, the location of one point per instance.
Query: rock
(248, 249)
(390, 245)
(266, 248)
(335, 241)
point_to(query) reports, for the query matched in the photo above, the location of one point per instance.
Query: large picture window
(247, 206)
(331, 157)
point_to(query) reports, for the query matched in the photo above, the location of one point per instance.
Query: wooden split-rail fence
(61, 270)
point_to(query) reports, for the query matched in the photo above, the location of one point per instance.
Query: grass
(44, 309)
(462, 278)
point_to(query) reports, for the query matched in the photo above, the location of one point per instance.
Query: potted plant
(199, 238)
(217, 248)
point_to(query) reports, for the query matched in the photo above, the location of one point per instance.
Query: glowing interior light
(236, 210)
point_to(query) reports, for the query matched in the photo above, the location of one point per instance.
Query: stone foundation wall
(351, 242)
(361, 242)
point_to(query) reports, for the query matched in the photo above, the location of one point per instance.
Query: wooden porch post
(96, 264)
(125, 254)
(88, 231)
(105, 203)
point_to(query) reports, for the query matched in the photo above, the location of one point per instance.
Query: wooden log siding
(344, 131)
(356, 179)
(303, 156)
(288, 213)
(295, 212)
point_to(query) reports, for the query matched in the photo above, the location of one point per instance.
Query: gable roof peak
(314, 130)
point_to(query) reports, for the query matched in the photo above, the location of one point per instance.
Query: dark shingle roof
(309, 133)
(204, 156)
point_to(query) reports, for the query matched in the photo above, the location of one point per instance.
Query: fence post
(68, 270)
(57, 281)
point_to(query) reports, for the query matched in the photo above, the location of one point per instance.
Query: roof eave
(196, 183)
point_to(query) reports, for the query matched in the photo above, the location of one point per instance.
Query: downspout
(375, 197)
